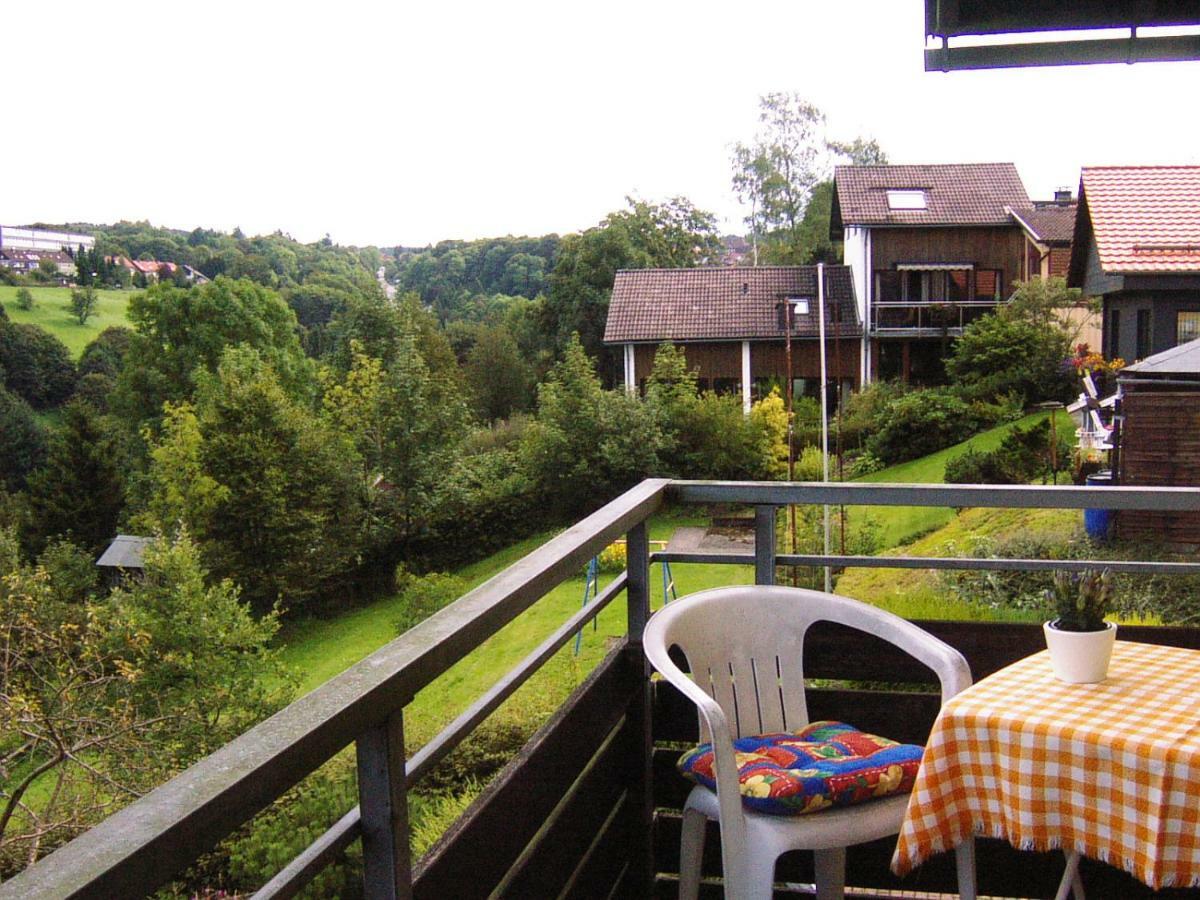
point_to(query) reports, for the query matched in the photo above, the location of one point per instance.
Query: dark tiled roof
(956, 194)
(1051, 223)
(732, 303)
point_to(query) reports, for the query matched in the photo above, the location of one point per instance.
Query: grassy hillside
(899, 525)
(50, 312)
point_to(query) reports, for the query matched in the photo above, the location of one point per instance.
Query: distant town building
(26, 261)
(13, 238)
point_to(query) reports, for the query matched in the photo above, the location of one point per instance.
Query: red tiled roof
(1145, 219)
(955, 194)
(731, 303)
(1051, 223)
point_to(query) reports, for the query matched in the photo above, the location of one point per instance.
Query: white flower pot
(1080, 657)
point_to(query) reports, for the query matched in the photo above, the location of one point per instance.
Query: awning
(934, 267)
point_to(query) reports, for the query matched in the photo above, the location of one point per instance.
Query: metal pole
(824, 410)
(787, 318)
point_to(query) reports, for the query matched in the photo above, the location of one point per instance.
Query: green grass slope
(899, 525)
(51, 312)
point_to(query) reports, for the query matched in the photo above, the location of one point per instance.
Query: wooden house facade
(731, 323)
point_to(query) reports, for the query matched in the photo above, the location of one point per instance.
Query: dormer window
(908, 199)
(799, 305)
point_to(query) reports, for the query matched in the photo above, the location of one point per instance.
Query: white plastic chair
(744, 647)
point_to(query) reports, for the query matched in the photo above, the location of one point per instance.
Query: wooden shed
(1160, 441)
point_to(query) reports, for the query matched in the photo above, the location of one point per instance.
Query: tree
(671, 234)
(22, 439)
(263, 486)
(37, 366)
(500, 380)
(1021, 347)
(83, 304)
(103, 698)
(105, 353)
(178, 331)
(776, 172)
(587, 444)
(783, 175)
(206, 669)
(25, 299)
(79, 491)
(47, 270)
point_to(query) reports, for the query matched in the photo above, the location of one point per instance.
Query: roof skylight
(911, 199)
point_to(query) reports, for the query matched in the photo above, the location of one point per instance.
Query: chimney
(1063, 195)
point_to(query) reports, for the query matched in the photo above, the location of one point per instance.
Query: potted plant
(1079, 639)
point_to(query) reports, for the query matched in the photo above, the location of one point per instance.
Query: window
(1114, 333)
(988, 285)
(799, 305)
(1143, 333)
(1187, 326)
(907, 199)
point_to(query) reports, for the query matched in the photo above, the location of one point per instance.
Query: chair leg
(965, 862)
(758, 872)
(691, 851)
(831, 873)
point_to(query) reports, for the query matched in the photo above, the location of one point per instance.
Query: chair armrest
(729, 795)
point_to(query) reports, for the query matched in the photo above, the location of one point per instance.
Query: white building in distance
(49, 241)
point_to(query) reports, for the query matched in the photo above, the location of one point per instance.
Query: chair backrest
(744, 647)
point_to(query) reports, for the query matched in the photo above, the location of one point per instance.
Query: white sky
(409, 122)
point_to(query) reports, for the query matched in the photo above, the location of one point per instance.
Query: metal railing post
(641, 787)
(387, 862)
(764, 544)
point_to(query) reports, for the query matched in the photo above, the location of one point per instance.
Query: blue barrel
(1098, 522)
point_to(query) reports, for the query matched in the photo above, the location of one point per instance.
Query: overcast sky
(407, 123)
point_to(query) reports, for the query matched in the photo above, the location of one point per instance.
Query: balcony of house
(590, 807)
(932, 300)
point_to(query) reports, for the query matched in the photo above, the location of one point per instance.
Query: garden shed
(1160, 443)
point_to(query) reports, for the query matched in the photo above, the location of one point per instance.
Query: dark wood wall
(1160, 446)
(767, 359)
(986, 248)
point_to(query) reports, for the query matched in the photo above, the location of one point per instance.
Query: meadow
(52, 312)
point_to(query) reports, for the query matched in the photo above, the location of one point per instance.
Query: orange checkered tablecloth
(1111, 770)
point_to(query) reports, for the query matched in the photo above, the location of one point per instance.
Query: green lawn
(50, 312)
(899, 525)
(320, 648)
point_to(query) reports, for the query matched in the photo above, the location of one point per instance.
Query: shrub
(810, 466)
(866, 411)
(37, 366)
(105, 353)
(921, 422)
(424, 595)
(998, 354)
(1023, 455)
(1171, 599)
(435, 813)
(25, 299)
(613, 558)
(278, 834)
(23, 441)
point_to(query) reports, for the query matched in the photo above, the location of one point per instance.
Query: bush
(866, 411)
(424, 595)
(25, 299)
(998, 354)
(922, 422)
(37, 366)
(1023, 455)
(278, 834)
(613, 558)
(810, 466)
(105, 353)
(22, 439)
(1171, 599)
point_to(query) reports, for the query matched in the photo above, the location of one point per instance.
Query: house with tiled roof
(1137, 246)
(732, 323)
(932, 248)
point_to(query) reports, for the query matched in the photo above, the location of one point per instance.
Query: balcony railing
(929, 318)
(590, 805)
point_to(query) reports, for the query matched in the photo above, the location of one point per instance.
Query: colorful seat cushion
(826, 764)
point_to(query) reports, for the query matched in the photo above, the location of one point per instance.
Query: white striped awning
(934, 267)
